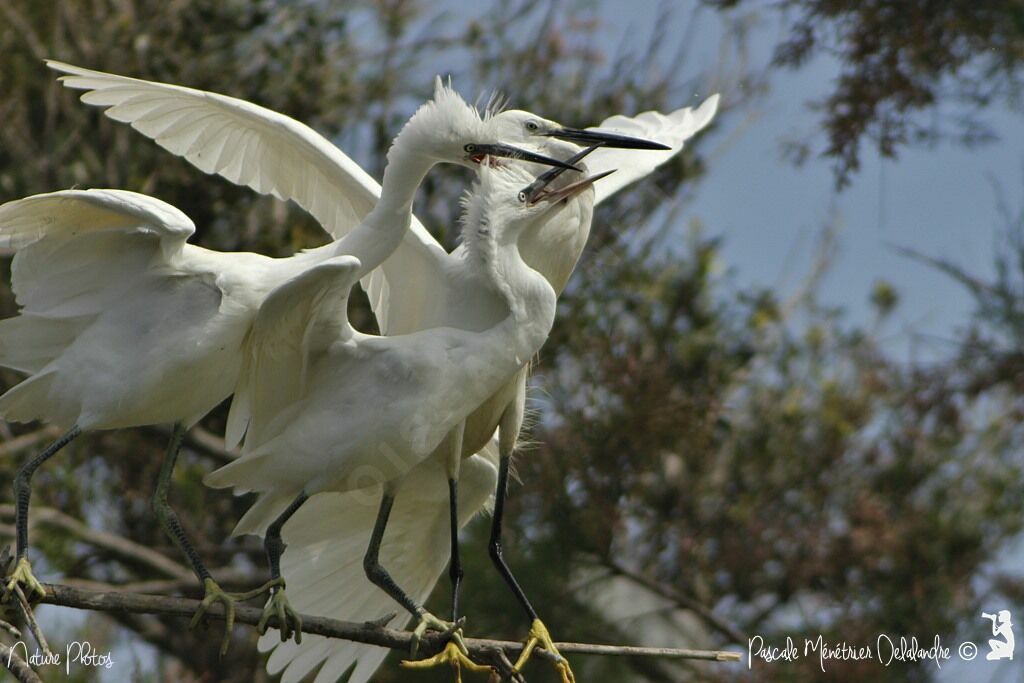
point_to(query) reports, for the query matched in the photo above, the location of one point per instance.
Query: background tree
(911, 71)
(742, 461)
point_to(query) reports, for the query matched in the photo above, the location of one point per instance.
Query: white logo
(1002, 627)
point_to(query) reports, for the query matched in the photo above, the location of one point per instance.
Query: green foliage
(911, 71)
(759, 457)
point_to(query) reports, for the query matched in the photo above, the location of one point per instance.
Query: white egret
(333, 409)
(124, 324)
(418, 287)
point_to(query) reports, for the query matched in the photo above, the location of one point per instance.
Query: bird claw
(23, 576)
(429, 622)
(213, 594)
(289, 622)
(539, 637)
(454, 656)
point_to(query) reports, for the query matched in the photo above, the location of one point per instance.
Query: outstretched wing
(243, 142)
(273, 154)
(299, 320)
(73, 246)
(670, 129)
(78, 253)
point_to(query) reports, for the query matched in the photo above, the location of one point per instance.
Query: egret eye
(522, 196)
(470, 148)
(532, 126)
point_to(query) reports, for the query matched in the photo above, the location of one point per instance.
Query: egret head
(447, 129)
(507, 199)
(522, 127)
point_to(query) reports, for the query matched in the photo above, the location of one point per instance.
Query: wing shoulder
(295, 325)
(245, 143)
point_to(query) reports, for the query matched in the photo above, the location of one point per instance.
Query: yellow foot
(429, 622)
(23, 576)
(214, 594)
(539, 637)
(453, 656)
(289, 622)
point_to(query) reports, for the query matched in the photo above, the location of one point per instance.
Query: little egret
(333, 409)
(419, 286)
(125, 324)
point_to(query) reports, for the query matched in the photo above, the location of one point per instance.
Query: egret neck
(382, 230)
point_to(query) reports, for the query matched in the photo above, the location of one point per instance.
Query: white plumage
(331, 406)
(419, 286)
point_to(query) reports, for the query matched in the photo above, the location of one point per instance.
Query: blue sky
(940, 200)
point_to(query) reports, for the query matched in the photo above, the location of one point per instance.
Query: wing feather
(207, 129)
(298, 320)
(671, 129)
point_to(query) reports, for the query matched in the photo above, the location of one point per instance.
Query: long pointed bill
(604, 139)
(479, 152)
(546, 178)
(552, 196)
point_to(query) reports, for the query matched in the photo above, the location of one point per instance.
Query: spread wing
(243, 142)
(299, 320)
(273, 154)
(74, 245)
(670, 129)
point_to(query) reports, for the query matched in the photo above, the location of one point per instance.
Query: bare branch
(201, 441)
(135, 603)
(228, 578)
(19, 600)
(683, 601)
(117, 545)
(20, 443)
(17, 666)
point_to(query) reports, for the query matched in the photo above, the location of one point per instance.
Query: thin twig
(30, 619)
(227, 578)
(10, 630)
(135, 603)
(117, 545)
(17, 666)
(20, 443)
(201, 441)
(683, 601)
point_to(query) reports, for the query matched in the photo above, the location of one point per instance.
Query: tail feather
(322, 565)
(28, 343)
(32, 400)
(265, 510)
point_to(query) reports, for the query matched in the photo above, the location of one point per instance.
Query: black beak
(538, 186)
(596, 137)
(538, 189)
(565, 192)
(478, 152)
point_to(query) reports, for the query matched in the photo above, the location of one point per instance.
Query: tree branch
(17, 666)
(683, 601)
(116, 545)
(20, 443)
(201, 441)
(371, 634)
(227, 578)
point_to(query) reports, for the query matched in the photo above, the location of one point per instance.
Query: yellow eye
(532, 126)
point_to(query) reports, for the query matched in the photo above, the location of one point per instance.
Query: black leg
(455, 567)
(371, 561)
(165, 513)
(495, 544)
(23, 488)
(273, 543)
